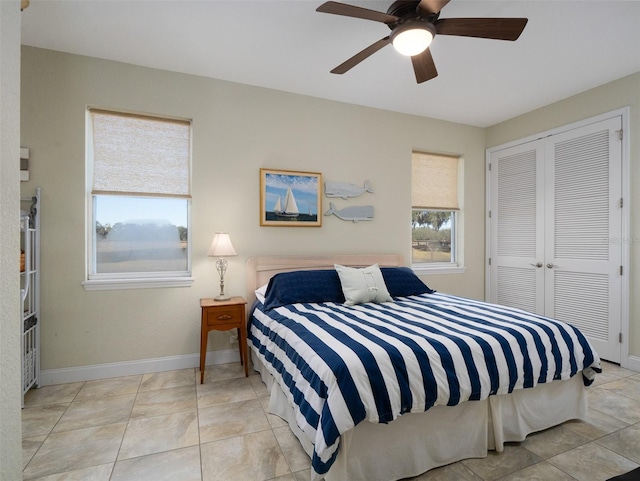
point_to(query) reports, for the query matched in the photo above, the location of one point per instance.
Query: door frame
(625, 240)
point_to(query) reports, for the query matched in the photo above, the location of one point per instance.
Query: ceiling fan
(414, 24)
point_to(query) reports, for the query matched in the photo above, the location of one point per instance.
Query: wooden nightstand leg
(204, 334)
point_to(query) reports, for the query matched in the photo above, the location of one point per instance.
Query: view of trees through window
(431, 236)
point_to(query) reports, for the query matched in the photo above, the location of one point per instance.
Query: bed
(414, 380)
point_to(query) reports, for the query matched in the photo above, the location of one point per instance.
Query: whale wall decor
(346, 190)
(355, 213)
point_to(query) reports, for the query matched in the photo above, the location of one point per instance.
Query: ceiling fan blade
(431, 6)
(495, 28)
(358, 12)
(360, 56)
(424, 66)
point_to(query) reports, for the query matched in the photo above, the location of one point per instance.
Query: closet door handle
(537, 264)
(550, 265)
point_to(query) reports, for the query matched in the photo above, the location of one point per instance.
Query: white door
(517, 227)
(556, 228)
(583, 249)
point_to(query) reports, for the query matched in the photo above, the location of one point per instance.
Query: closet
(555, 229)
(30, 290)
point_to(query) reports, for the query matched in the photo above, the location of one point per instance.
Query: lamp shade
(412, 38)
(221, 246)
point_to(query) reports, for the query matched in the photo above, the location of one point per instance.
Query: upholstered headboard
(260, 269)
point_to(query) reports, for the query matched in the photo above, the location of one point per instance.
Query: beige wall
(10, 392)
(624, 92)
(237, 129)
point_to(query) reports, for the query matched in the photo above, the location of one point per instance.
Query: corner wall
(10, 391)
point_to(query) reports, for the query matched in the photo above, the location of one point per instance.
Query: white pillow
(362, 285)
(260, 293)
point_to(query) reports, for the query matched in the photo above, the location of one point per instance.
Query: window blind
(140, 155)
(434, 181)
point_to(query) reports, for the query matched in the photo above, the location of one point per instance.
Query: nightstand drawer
(225, 316)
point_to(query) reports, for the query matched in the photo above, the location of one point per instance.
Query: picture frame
(290, 198)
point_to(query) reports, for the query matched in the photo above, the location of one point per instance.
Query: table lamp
(221, 247)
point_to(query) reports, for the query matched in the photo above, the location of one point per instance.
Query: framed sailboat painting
(289, 198)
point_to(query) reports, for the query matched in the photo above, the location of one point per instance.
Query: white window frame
(456, 266)
(125, 280)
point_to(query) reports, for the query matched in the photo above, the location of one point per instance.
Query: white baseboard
(633, 363)
(129, 368)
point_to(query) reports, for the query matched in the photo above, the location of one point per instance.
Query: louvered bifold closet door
(583, 251)
(517, 224)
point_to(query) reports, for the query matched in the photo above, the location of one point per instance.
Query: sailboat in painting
(288, 208)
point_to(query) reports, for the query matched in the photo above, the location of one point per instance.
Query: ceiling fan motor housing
(407, 10)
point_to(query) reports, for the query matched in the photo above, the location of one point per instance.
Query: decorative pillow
(260, 292)
(362, 285)
(402, 281)
(303, 286)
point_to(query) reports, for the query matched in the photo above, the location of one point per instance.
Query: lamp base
(221, 265)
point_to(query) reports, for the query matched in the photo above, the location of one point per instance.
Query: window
(139, 198)
(435, 212)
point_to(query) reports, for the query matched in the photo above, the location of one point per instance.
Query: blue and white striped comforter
(341, 365)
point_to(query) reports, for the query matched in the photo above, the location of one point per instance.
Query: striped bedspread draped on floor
(341, 365)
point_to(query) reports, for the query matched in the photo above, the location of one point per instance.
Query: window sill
(438, 269)
(113, 284)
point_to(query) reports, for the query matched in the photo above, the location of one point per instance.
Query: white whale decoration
(345, 189)
(354, 213)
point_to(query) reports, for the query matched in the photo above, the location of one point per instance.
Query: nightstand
(222, 316)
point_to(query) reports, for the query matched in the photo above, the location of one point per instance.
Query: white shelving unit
(30, 291)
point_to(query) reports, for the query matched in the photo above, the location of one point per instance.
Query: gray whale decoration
(354, 213)
(345, 189)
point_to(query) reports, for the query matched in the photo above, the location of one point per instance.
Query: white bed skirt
(417, 442)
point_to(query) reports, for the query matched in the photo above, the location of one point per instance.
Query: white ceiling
(567, 47)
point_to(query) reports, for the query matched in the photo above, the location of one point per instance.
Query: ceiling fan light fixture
(412, 38)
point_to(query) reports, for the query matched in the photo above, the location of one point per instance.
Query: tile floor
(166, 426)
